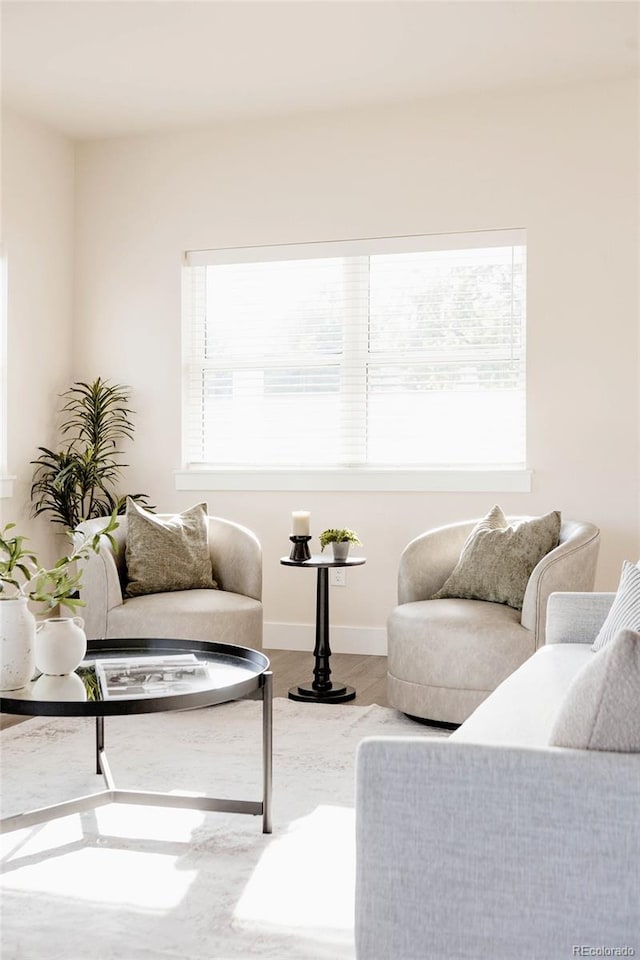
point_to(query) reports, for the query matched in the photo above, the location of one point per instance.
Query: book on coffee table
(151, 676)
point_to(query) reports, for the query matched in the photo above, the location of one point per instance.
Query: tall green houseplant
(79, 481)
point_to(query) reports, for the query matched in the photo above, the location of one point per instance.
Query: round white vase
(61, 644)
(17, 643)
(68, 686)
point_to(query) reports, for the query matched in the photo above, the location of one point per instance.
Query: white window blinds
(403, 352)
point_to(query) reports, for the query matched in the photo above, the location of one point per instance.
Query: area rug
(128, 882)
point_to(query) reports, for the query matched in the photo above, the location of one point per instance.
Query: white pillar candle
(300, 523)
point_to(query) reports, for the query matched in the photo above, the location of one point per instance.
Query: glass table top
(142, 676)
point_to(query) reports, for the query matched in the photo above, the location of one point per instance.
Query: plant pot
(61, 644)
(340, 549)
(17, 643)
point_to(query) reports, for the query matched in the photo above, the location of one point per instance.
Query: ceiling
(101, 68)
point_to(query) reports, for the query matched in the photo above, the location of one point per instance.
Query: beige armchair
(446, 656)
(231, 614)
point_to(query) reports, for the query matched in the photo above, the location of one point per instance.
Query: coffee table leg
(99, 742)
(267, 750)
(170, 800)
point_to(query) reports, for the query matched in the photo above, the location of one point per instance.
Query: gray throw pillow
(625, 609)
(497, 561)
(167, 553)
(494, 520)
(601, 710)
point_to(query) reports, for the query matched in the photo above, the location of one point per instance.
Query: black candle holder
(300, 549)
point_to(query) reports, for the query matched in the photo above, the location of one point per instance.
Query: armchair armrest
(468, 851)
(236, 557)
(427, 561)
(570, 566)
(101, 589)
(576, 617)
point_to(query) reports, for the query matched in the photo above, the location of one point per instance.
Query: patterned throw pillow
(167, 553)
(497, 559)
(625, 609)
(600, 710)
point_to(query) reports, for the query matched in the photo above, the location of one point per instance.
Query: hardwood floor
(290, 667)
(367, 674)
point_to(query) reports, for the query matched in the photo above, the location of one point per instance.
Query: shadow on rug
(139, 883)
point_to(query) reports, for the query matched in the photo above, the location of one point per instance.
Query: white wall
(562, 164)
(38, 235)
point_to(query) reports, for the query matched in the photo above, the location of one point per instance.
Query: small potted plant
(340, 540)
(23, 578)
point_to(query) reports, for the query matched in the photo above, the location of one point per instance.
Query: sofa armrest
(468, 851)
(576, 617)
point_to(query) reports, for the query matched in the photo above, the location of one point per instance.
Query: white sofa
(492, 844)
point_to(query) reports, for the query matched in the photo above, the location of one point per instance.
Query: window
(397, 353)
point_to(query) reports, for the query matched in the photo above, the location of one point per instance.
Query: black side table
(321, 689)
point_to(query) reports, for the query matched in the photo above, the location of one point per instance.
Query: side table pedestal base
(337, 694)
(322, 689)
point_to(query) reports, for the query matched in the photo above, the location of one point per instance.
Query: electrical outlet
(337, 576)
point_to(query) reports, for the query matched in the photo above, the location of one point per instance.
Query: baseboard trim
(302, 636)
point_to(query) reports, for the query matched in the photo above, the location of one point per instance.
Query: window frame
(193, 477)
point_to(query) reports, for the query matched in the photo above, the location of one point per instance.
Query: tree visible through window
(406, 352)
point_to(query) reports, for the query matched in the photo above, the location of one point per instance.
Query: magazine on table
(151, 676)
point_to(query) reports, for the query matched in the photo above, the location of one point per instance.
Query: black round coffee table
(149, 676)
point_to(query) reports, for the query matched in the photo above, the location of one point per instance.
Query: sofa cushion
(497, 559)
(625, 609)
(522, 710)
(601, 710)
(167, 553)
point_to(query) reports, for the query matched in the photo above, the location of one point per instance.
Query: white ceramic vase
(61, 644)
(340, 549)
(68, 686)
(17, 643)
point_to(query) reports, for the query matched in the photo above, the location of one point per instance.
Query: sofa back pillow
(625, 609)
(497, 559)
(601, 710)
(167, 553)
